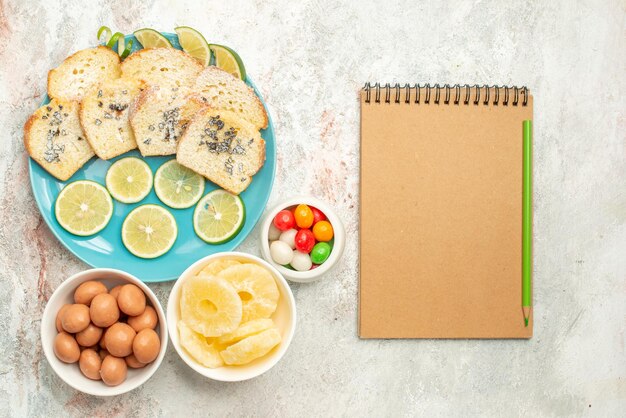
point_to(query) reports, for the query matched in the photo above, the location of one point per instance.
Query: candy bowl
(71, 373)
(303, 238)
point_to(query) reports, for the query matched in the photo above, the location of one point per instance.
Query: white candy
(274, 233)
(301, 261)
(289, 237)
(281, 253)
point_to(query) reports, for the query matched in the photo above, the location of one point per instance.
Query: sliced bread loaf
(162, 67)
(104, 117)
(81, 71)
(53, 137)
(221, 90)
(159, 116)
(223, 148)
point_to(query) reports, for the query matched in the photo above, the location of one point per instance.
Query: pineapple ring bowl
(284, 318)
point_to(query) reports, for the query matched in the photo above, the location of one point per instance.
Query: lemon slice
(149, 38)
(218, 217)
(149, 231)
(129, 180)
(177, 186)
(83, 208)
(228, 60)
(194, 44)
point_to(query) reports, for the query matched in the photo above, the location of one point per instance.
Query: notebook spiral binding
(462, 93)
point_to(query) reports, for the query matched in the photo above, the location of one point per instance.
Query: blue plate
(105, 249)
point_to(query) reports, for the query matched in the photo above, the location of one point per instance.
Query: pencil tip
(526, 310)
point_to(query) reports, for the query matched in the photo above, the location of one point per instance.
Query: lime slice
(83, 208)
(194, 44)
(177, 186)
(149, 38)
(219, 216)
(129, 180)
(228, 60)
(149, 231)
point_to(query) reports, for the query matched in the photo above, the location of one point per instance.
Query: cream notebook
(441, 212)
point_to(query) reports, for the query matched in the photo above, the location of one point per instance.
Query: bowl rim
(338, 245)
(206, 371)
(164, 335)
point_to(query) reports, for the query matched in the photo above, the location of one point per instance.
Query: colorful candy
(323, 231)
(305, 241)
(300, 238)
(284, 220)
(281, 252)
(289, 237)
(274, 233)
(317, 215)
(320, 252)
(304, 216)
(301, 261)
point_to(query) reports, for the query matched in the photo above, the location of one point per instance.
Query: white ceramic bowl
(284, 318)
(70, 373)
(335, 254)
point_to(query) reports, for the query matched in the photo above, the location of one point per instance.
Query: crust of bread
(80, 120)
(100, 48)
(27, 128)
(139, 55)
(253, 95)
(196, 67)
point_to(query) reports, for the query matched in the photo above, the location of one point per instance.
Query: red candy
(317, 215)
(305, 241)
(284, 220)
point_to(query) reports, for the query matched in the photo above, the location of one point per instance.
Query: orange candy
(304, 216)
(323, 231)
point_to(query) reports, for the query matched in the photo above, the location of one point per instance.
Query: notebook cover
(441, 220)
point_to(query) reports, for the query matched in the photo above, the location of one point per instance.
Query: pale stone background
(309, 58)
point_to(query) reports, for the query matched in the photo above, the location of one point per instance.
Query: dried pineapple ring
(256, 288)
(251, 348)
(214, 267)
(210, 306)
(245, 330)
(198, 347)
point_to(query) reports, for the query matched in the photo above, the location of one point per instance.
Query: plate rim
(239, 240)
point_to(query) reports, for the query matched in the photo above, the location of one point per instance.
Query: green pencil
(527, 220)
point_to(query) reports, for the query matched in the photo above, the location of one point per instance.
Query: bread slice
(221, 90)
(159, 116)
(53, 137)
(81, 71)
(162, 67)
(104, 117)
(223, 148)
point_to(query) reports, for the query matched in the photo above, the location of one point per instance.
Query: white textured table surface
(309, 58)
